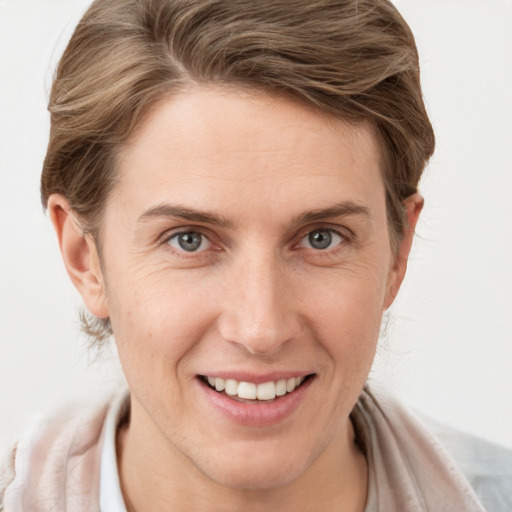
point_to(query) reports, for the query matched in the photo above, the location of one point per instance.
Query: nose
(259, 312)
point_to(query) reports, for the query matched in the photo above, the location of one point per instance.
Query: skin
(256, 297)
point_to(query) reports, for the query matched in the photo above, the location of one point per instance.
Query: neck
(155, 476)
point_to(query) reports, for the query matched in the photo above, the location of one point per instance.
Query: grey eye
(321, 239)
(190, 241)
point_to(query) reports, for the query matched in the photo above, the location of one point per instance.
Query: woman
(234, 189)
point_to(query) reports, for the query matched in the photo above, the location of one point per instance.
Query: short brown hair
(351, 59)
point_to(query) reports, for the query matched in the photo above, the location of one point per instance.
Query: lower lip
(260, 413)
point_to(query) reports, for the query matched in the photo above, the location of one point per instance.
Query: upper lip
(259, 378)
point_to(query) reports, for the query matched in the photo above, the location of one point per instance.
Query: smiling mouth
(254, 393)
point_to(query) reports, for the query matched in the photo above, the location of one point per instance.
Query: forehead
(219, 146)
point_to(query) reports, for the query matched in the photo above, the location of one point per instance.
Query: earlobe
(80, 256)
(413, 206)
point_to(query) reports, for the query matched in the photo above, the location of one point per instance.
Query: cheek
(157, 322)
(346, 316)
(353, 297)
(348, 330)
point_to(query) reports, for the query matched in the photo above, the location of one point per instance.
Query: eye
(189, 241)
(321, 239)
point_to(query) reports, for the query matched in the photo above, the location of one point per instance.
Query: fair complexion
(246, 239)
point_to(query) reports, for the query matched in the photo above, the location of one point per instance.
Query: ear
(80, 256)
(413, 206)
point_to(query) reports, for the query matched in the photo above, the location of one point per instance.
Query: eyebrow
(190, 214)
(342, 209)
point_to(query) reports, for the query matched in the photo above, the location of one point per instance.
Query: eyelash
(345, 238)
(182, 253)
(329, 231)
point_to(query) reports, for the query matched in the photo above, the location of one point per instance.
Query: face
(245, 248)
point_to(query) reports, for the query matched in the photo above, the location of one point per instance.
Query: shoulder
(6, 472)
(486, 465)
(437, 466)
(59, 448)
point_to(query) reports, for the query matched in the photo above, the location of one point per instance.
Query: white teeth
(266, 391)
(250, 391)
(231, 387)
(281, 387)
(247, 390)
(220, 384)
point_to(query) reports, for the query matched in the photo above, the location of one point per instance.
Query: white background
(448, 349)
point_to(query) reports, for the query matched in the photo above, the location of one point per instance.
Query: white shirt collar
(111, 497)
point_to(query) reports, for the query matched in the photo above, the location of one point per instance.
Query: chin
(258, 469)
(250, 478)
